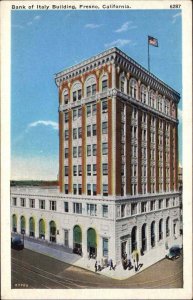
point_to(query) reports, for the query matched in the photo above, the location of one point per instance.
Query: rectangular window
(105, 211)
(42, 204)
(66, 243)
(79, 151)
(88, 91)
(105, 169)
(74, 114)
(94, 189)
(93, 89)
(74, 151)
(94, 149)
(80, 132)
(22, 202)
(74, 170)
(52, 205)
(80, 189)
(77, 208)
(74, 96)
(66, 152)
(88, 110)
(105, 189)
(88, 130)
(104, 127)
(75, 133)
(66, 207)
(104, 148)
(91, 209)
(79, 94)
(94, 170)
(88, 189)
(79, 112)
(152, 205)
(88, 150)
(66, 117)
(160, 204)
(14, 201)
(104, 107)
(66, 135)
(133, 209)
(123, 207)
(94, 109)
(32, 203)
(66, 98)
(74, 189)
(88, 170)
(105, 247)
(66, 188)
(79, 170)
(168, 202)
(94, 130)
(143, 207)
(66, 171)
(104, 85)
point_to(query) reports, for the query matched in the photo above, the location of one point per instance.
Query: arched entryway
(77, 240)
(160, 229)
(134, 239)
(14, 223)
(41, 229)
(22, 224)
(144, 237)
(91, 242)
(153, 234)
(31, 227)
(53, 232)
(168, 226)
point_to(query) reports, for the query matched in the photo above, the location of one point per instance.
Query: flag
(152, 41)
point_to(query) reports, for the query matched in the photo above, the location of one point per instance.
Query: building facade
(118, 162)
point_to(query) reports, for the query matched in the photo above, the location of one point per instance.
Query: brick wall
(128, 149)
(110, 146)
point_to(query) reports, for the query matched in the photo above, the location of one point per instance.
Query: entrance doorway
(91, 243)
(123, 249)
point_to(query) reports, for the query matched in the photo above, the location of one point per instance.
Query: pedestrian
(95, 266)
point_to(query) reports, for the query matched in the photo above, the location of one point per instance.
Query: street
(36, 271)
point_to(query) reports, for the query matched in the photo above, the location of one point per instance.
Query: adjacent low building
(118, 163)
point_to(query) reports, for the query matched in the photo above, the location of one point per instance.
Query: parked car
(17, 243)
(174, 252)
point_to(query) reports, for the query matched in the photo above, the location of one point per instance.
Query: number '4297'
(175, 5)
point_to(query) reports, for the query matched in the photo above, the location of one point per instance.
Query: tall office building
(118, 160)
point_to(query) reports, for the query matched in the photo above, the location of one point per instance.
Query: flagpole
(148, 54)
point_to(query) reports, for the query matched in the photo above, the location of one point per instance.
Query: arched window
(52, 231)
(65, 96)
(90, 86)
(104, 83)
(168, 226)
(153, 234)
(152, 99)
(160, 103)
(31, 227)
(167, 107)
(92, 242)
(134, 239)
(41, 229)
(161, 229)
(144, 237)
(14, 223)
(22, 224)
(122, 83)
(77, 239)
(133, 88)
(143, 94)
(76, 91)
(173, 110)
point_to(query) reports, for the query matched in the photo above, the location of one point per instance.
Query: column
(156, 157)
(70, 152)
(110, 147)
(176, 158)
(84, 243)
(139, 152)
(164, 156)
(171, 158)
(118, 148)
(84, 147)
(148, 154)
(98, 158)
(128, 149)
(61, 151)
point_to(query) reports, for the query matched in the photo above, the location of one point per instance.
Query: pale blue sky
(45, 42)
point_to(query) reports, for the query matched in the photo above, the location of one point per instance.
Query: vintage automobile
(17, 243)
(174, 252)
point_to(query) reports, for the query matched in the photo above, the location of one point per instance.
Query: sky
(46, 42)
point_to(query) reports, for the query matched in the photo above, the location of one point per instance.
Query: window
(94, 189)
(152, 205)
(123, 209)
(133, 88)
(105, 211)
(79, 112)
(122, 83)
(104, 127)
(74, 114)
(14, 201)
(66, 188)
(88, 189)
(143, 207)
(75, 133)
(77, 91)
(94, 109)
(160, 204)
(133, 209)
(66, 243)
(66, 134)
(74, 170)
(143, 94)
(161, 229)
(74, 151)
(42, 204)
(91, 209)
(88, 150)
(94, 170)
(94, 149)
(79, 170)
(88, 110)
(80, 189)
(105, 247)
(66, 152)
(88, 170)
(105, 189)
(66, 117)
(168, 202)
(23, 202)
(105, 169)
(104, 107)
(94, 130)
(168, 226)
(88, 130)
(74, 189)
(104, 85)
(52, 205)
(79, 151)
(77, 208)
(66, 170)
(32, 203)
(79, 132)
(65, 97)
(66, 207)
(104, 148)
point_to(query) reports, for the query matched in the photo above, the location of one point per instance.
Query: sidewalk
(63, 254)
